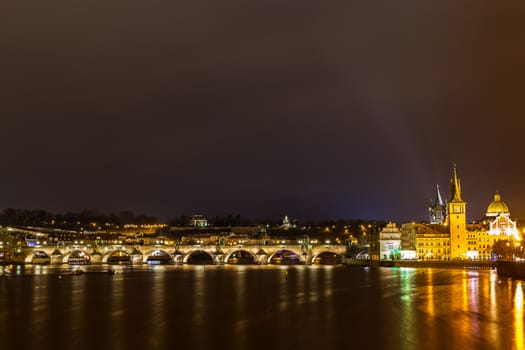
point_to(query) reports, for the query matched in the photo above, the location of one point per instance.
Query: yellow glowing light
(430, 294)
(518, 316)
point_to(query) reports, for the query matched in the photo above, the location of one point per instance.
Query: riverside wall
(452, 264)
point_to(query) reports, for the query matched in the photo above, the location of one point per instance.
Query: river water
(258, 307)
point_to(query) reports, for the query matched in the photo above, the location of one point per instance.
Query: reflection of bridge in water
(281, 254)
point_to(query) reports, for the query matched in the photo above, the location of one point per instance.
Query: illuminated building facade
(501, 226)
(408, 237)
(286, 224)
(390, 242)
(198, 221)
(457, 220)
(432, 242)
(479, 242)
(453, 238)
(496, 226)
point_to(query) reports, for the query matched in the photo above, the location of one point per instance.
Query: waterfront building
(433, 242)
(501, 226)
(447, 236)
(408, 236)
(479, 242)
(437, 209)
(390, 242)
(453, 238)
(497, 226)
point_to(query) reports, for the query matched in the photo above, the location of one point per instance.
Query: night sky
(315, 109)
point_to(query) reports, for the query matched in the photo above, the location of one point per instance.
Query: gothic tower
(437, 209)
(457, 220)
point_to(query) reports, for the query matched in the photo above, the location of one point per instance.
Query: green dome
(497, 206)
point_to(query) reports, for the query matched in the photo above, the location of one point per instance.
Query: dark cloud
(332, 109)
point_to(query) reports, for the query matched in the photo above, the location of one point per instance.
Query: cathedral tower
(457, 220)
(437, 209)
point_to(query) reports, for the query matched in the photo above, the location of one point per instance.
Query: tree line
(25, 217)
(72, 220)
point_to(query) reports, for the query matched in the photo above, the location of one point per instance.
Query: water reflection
(430, 310)
(473, 303)
(315, 287)
(199, 312)
(430, 293)
(492, 301)
(39, 309)
(327, 308)
(301, 295)
(406, 276)
(77, 310)
(116, 310)
(157, 316)
(518, 316)
(239, 327)
(240, 307)
(283, 286)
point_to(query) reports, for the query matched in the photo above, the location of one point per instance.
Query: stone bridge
(209, 254)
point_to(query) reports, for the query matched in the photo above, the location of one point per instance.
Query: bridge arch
(285, 257)
(327, 258)
(198, 257)
(40, 257)
(118, 256)
(241, 257)
(159, 256)
(77, 257)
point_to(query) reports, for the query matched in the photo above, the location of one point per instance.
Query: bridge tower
(457, 220)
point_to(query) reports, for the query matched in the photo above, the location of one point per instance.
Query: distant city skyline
(332, 110)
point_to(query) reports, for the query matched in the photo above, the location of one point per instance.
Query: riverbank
(456, 264)
(513, 269)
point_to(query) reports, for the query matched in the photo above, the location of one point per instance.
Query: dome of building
(497, 206)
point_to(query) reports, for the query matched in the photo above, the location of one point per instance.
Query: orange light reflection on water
(518, 317)
(473, 302)
(430, 294)
(460, 304)
(489, 293)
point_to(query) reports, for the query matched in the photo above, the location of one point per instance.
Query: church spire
(438, 200)
(455, 187)
(437, 209)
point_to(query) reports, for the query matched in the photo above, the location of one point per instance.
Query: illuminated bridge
(281, 254)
